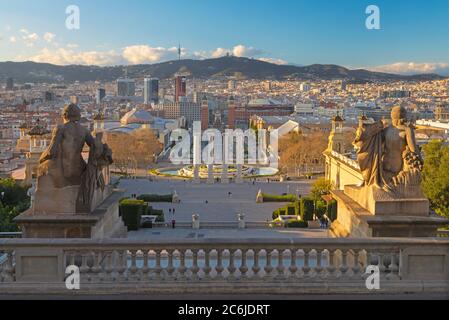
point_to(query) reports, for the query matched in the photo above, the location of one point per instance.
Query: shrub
(307, 209)
(278, 198)
(155, 198)
(320, 209)
(297, 224)
(332, 210)
(131, 211)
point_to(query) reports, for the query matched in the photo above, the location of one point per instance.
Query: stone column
(239, 177)
(224, 174)
(210, 174)
(196, 173)
(195, 221)
(241, 221)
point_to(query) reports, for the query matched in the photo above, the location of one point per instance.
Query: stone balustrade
(225, 265)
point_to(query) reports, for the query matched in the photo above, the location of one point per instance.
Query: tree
(300, 150)
(320, 188)
(435, 182)
(136, 149)
(13, 201)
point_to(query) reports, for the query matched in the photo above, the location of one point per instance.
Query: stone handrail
(345, 159)
(329, 264)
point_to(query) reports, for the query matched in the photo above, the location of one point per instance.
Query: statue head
(71, 113)
(398, 115)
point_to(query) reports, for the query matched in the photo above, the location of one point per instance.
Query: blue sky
(414, 35)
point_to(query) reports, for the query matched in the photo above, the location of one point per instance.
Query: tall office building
(9, 84)
(151, 90)
(231, 113)
(126, 87)
(101, 93)
(204, 113)
(180, 87)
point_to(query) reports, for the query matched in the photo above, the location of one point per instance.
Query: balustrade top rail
(330, 243)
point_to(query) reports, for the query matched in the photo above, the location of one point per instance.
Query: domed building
(136, 116)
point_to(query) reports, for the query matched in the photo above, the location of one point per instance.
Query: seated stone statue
(62, 169)
(389, 157)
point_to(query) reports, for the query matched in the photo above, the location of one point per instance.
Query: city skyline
(412, 38)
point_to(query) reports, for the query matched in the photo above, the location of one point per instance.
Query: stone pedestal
(103, 222)
(241, 221)
(195, 222)
(377, 215)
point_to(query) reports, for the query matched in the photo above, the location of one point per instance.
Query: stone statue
(389, 157)
(65, 182)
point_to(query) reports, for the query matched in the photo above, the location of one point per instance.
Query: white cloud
(24, 31)
(238, 51)
(274, 60)
(413, 68)
(30, 39)
(63, 56)
(12, 39)
(140, 54)
(135, 54)
(49, 37)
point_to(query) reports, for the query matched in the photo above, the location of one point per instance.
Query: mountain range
(230, 66)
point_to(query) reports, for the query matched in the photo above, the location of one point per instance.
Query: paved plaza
(243, 234)
(220, 206)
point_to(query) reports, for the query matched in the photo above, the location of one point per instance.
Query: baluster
(356, 267)
(243, 267)
(344, 263)
(280, 267)
(207, 269)
(84, 268)
(293, 267)
(182, 264)
(133, 268)
(268, 268)
(195, 269)
(145, 268)
(231, 268)
(331, 268)
(170, 268)
(122, 265)
(219, 268)
(8, 269)
(394, 268)
(96, 266)
(306, 268)
(381, 265)
(319, 263)
(158, 268)
(256, 267)
(108, 268)
(369, 261)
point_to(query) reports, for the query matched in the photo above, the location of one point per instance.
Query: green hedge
(278, 198)
(307, 209)
(332, 210)
(155, 197)
(131, 211)
(320, 209)
(297, 224)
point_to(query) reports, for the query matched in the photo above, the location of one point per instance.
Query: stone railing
(225, 266)
(350, 162)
